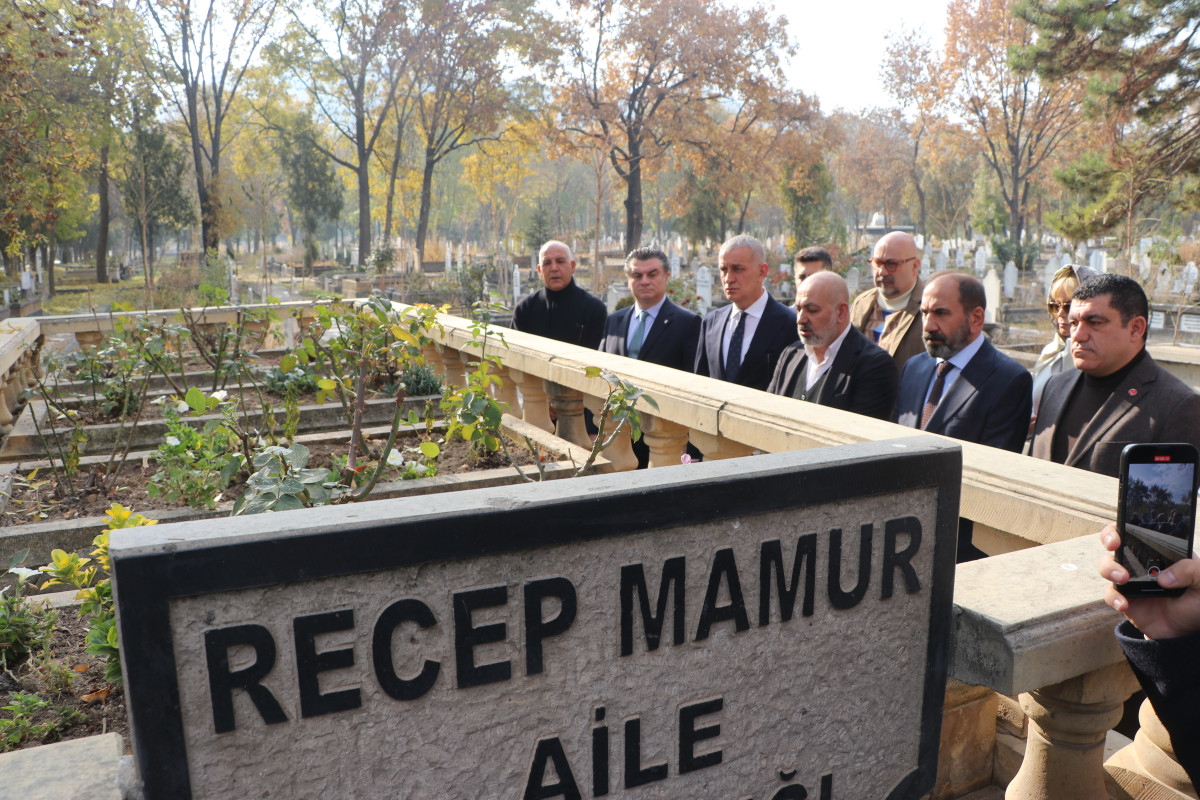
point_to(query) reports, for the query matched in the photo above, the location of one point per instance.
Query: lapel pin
(1133, 392)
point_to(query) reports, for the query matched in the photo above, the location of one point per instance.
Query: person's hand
(1156, 617)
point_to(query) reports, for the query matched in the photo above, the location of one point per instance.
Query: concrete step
(78, 769)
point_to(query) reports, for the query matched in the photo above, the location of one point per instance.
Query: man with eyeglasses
(889, 314)
(1119, 395)
(652, 329)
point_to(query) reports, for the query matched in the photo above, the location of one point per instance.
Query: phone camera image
(1157, 512)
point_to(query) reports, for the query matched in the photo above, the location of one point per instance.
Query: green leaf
(592, 372)
(196, 400)
(430, 450)
(327, 384)
(288, 363)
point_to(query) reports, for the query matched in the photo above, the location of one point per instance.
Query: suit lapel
(661, 321)
(713, 340)
(964, 386)
(1120, 403)
(758, 343)
(837, 380)
(621, 327)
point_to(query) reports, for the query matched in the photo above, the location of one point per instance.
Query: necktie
(639, 335)
(935, 393)
(733, 362)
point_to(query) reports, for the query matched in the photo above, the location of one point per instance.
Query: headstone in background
(460, 255)
(516, 284)
(613, 296)
(1010, 280)
(853, 278)
(289, 333)
(1157, 320)
(1058, 249)
(958, 258)
(1190, 277)
(674, 264)
(704, 288)
(1145, 244)
(942, 260)
(991, 290)
(508, 638)
(448, 265)
(785, 292)
(7, 297)
(1189, 323)
(1081, 253)
(27, 281)
(980, 261)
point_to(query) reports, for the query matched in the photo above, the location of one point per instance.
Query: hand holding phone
(1156, 513)
(1158, 618)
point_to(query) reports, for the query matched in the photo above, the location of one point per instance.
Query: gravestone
(692, 631)
(980, 261)
(1144, 245)
(704, 288)
(674, 264)
(1189, 323)
(1010, 280)
(853, 279)
(785, 292)
(991, 290)
(7, 297)
(447, 259)
(516, 284)
(1158, 320)
(958, 258)
(460, 256)
(927, 258)
(616, 292)
(942, 260)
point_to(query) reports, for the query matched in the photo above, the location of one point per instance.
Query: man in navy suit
(742, 341)
(962, 386)
(668, 332)
(652, 329)
(833, 364)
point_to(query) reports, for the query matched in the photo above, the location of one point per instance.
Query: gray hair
(552, 242)
(746, 240)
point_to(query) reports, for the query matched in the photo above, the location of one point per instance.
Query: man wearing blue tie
(653, 329)
(741, 342)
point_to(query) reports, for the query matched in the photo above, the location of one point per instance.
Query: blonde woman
(1056, 356)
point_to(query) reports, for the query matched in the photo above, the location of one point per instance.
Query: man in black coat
(742, 341)
(653, 329)
(561, 309)
(833, 364)
(962, 386)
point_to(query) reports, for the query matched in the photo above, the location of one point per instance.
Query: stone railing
(20, 363)
(1031, 625)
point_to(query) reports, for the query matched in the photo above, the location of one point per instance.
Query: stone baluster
(535, 405)
(1148, 767)
(620, 453)
(28, 368)
(458, 362)
(433, 357)
(718, 447)
(667, 440)
(1068, 723)
(506, 390)
(568, 409)
(8, 399)
(89, 338)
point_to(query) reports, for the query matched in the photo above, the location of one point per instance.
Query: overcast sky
(840, 45)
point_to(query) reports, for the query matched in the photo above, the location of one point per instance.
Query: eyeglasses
(1055, 308)
(890, 265)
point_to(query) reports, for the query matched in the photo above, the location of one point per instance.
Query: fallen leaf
(96, 696)
(81, 667)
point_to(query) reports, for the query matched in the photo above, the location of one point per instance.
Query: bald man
(889, 314)
(833, 364)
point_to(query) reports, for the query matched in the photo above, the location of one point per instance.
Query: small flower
(172, 441)
(23, 573)
(394, 459)
(685, 459)
(220, 395)
(181, 407)
(158, 401)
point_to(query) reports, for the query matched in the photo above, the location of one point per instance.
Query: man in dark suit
(1117, 395)
(833, 364)
(652, 329)
(962, 386)
(741, 342)
(668, 332)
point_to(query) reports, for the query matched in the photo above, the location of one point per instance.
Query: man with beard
(962, 386)
(889, 313)
(833, 364)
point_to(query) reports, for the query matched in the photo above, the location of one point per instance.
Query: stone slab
(1033, 618)
(502, 643)
(78, 769)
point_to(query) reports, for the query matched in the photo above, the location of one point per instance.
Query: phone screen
(1158, 515)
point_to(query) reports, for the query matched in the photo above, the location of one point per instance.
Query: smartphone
(1156, 513)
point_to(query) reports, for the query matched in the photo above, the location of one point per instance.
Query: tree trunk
(426, 194)
(102, 232)
(633, 198)
(364, 209)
